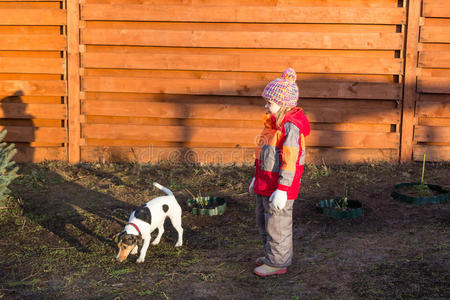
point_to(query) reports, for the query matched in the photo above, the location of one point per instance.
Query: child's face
(273, 108)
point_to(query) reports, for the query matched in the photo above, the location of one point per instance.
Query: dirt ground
(56, 229)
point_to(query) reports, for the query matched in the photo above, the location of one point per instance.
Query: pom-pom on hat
(283, 91)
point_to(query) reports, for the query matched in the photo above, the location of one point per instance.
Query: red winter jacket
(280, 154)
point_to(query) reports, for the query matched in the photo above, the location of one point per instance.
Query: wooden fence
(432, 129)
(174, 79)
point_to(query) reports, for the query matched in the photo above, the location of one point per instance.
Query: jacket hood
(298, 118)
(295, 116)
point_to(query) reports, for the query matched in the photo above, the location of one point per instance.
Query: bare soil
(56, 229)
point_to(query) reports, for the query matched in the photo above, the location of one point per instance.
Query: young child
(280, 158)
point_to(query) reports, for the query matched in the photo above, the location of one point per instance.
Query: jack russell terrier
(144, 220)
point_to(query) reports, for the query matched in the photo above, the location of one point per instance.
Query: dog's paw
(155, 242)
(134, 251)
(179, 244)
(140, 260)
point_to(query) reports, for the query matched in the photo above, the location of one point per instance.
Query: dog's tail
(162, 188)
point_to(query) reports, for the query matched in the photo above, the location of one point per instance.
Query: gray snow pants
(275, 227)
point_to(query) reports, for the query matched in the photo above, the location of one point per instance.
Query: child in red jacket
(280, 159)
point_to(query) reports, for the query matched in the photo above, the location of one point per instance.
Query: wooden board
(351, 90)
(434, 98)
(251, 14)
(32, 16)
(433, 109)
(30, 111)
(434, 59)
(432, 134)
(227, 155)
(242, 39)
(316, 113)
(424, 121)
(238, 76)
(18, 98)
(270, 3)
(436, 8)
(32, 65)
(434, 34)
(32, 42)
(29, 154)
(243, 137)
(410, 82)
(434, 153)
(33, 87)
(73, 81)
(255, 63)
(433, 84)
(35, 134)
(137, 50)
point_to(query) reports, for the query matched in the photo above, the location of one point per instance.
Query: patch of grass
(122, 272)
(189, 262)
(318, 171)
(145, 293)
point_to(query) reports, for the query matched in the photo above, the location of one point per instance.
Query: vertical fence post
(73, 79)
(410, 82)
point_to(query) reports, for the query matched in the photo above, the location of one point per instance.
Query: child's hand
(250, 188)
(278, 199)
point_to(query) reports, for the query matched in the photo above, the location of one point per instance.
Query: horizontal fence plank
(434, 59)
(243, 39)
(240, 136)
(433, 134)
(35, 134)
(238, 76)
(32, 42)
(436, 8)
(137, 50)
(226, 155)
(432, 121)
(32, 65)
(31, 122)
(316, 113)
(269, 3)
(351, 90)
(255, 63)
(242, 14)
(31, 111)
(433, 84)
(434, 153)
(31, 154)
(434, 34)
(433, 109)
(94, 119)
(33, 87)
(32, 16)
(434, 98)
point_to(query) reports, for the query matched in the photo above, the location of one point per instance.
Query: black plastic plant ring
(443, 195)
(212, 206)
(329, 209)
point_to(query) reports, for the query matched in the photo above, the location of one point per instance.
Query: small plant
(321, 171)
(342, 204)
(200, 201)
(422, 188)
(7, 172)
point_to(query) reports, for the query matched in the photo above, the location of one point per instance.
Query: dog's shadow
(78, 214)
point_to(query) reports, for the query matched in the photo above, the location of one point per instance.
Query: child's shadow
(76, 213)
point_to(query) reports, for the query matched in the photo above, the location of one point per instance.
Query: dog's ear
(116, 237)
(138, 240)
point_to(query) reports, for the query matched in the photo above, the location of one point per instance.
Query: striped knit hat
(283, 91)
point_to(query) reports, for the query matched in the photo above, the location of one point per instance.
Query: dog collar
(135, 226)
